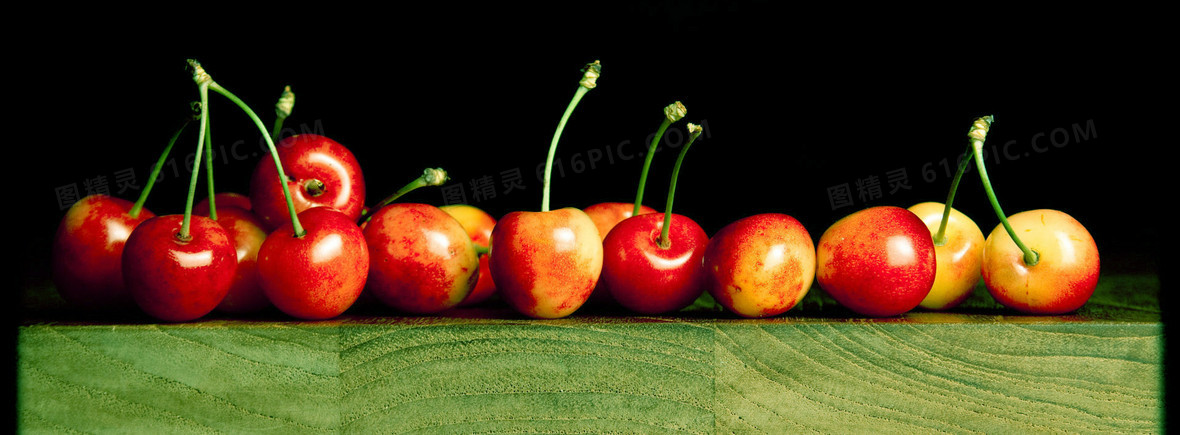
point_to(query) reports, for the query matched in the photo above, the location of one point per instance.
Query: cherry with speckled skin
(479, 225)
(649, 279)
(422, 260)
(1066, 272)
(178, 280)
(760, 265)
(245, 231)
(879, 261)
(320, 274)
(545, 264)
(87, 253)
(959, 259)
(305, 159)
(223, 199)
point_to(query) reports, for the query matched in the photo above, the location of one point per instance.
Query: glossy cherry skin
(760, 265)
(646, 278)
(545, 264)
(320, 274)
(421, 259)
(307, 158)
(224, 199)
(605, 216)
(245, 231)
(878, 262)
(479, 225)
(87, 256)
(178, 280)
(1066, 272)
(959, 259)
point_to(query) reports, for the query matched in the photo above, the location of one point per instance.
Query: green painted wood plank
(815, 369)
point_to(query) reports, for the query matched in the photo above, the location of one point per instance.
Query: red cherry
(87, 256)
(879, 261)
(421, 259)
(605, 216)
(320, 274)
(545, 264)
(760, 265)
(224, 199)
(178, 280)
(245, 231)
(320, 172)
(647, 278)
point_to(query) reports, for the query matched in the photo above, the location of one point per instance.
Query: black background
(795, 103)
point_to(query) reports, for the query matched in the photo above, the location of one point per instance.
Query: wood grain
(813, 370)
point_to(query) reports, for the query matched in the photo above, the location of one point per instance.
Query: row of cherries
(304, 242)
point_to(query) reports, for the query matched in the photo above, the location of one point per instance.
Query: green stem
(203, 88)
(151, 181)
(429, 177)
(940, 235)
(481, 249)
(672, 113)
(978, 134)
(588, 82)
(209, 169)
(694, 131)
(296, 226)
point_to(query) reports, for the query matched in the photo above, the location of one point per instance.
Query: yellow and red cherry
(760, 265)
(546, 263)
(421, 259)
(959, 256)
(653, 263)
(478, 224)
(879, 261)
(319, 172)
(1041, 262)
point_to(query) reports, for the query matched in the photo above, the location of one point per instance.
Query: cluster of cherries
(304, 242)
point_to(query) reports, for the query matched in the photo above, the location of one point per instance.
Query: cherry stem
(209, 169)
(940, 236)
(283, 109)
(151, 181)
(429, 177)
(201, 76)
(481, 249)
(672, 113)
(694, 131)
(978, 134)
(203, 88)
(589, 80)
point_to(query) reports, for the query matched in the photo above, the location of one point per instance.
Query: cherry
(87, 254)
(608, 214)
(222, 200)
(179, 267)
(318, 274)
(879, 261)
(322, 172)
(310, 272)
(479, 225)
(421, 259)
(1037, 261)
(760, 265)
(652, 263)
(546, 263)
(245, 231)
